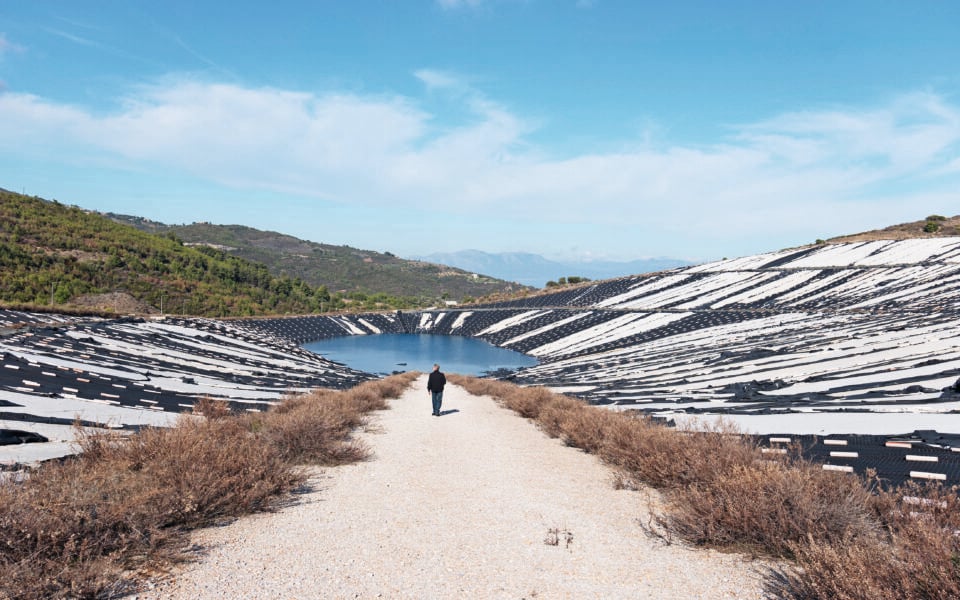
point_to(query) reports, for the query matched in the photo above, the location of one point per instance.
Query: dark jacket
(436, 381)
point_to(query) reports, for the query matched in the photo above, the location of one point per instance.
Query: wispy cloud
(435, 79)
(78, 23)
(217, 67)
(76, 39)
(913, 131)
(452, 4)
(89, 42)
(8, 47)
(783, 174)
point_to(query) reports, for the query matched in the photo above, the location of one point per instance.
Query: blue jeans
(437, 398)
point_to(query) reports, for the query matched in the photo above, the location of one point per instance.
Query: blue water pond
(389, 352)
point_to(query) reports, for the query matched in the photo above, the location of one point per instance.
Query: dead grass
(86, 526)
(316, 427)
(497, 390)
(768, 508)
(916, 556)
(844, 539)
(211, 408)
(73, 528)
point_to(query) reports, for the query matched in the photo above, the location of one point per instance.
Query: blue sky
(575, 129)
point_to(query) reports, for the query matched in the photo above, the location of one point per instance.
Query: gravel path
(458, 506)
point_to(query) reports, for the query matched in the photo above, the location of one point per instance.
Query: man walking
(435, 384)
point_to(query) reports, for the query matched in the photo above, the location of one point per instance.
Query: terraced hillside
(858, 338)
(124, 374)
(834, 326)
(865, 326)
(848, 338)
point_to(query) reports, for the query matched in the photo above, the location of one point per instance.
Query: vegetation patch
(91, 525)
(52, 254)
(362, 279)
(932, 226)
(842, 536)
(63, 257)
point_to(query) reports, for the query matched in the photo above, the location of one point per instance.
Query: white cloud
(789, 173)
(907, 134)
(434, 79)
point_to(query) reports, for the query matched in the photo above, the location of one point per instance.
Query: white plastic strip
(925, 475)
(842, 468)
(919, 458)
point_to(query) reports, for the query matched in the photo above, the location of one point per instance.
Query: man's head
(436, 367)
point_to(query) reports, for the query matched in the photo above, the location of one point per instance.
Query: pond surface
(389, 352)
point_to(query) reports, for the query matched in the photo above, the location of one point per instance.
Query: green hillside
(62, 257)
(339, 268)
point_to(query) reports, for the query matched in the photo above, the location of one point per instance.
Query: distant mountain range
(534, 270)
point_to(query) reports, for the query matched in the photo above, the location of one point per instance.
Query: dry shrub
(916, 557)
(207, 470)
(836, 571)
(312, 428)
(211, 408)
(483, 387)
(723, 493)
(76, 527)
(922, 567)
(364, 398)
(527, 401)
(58, 532)
(706, 450)
(900, 508)
(316, 427)
(850, 541)
(648, 453)
(577, 424)
(84, 527)
(393, 386)
(667, 458)
(769, 507)
(296, 401)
